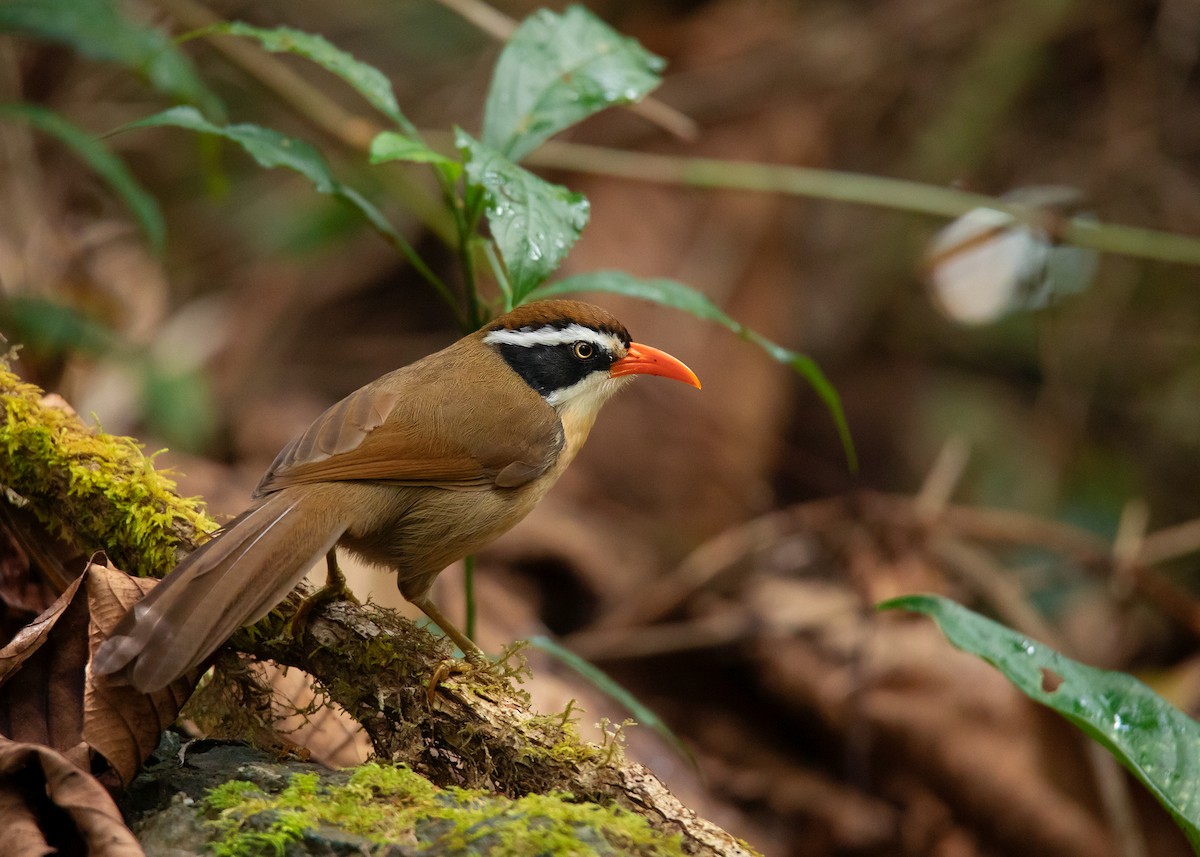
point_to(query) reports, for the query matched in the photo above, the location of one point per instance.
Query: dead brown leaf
(48, 805)
(119, 722)
(49, 697)
(25, 588)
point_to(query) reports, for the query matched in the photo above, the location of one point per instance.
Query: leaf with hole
(1153, 739)
(533, 222)
(557, 70)
(679, 296)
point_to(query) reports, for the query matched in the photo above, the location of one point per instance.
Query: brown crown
(559, 314)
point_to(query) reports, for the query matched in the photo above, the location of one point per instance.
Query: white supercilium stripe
(555, 336)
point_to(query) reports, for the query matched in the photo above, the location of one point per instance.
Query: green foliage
(534, 223)
(174, 395)
(391, 804)
(95, 29)
(49, 328)
(97, 156)
(1153, 739)
(391, 146)
(556, 71)
(368, 81)
(270, 149)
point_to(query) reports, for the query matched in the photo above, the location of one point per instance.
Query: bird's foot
(473, 663)
(443, 671)
(335, 589)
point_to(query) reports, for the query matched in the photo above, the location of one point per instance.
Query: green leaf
(53, 328)
(272, 149)
(1153, 739)
(390, 146)
(603, 682)
(367, 80)
(178, 404)
(557, 70)
(534, 223)
(107, 165)
(679, 296)
(94, 29)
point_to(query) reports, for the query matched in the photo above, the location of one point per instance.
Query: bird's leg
(470, 651)
(335, 589)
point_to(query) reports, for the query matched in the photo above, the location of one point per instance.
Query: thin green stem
(409, 253)
(449, 188)
(473, 205)
(467, 260)
(469, 587)
(489, 248)
(897, 194)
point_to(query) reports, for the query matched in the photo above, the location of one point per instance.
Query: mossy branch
(95, 491)
(101, 493)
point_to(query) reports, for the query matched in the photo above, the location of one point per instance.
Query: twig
(981, 572)
(1020, 528)
(943, 478)
(706, 632)
(1127, 545)
(348, 128)
(327, 114)
(1170, 543)
(716, 557)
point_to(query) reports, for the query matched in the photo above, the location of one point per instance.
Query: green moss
(385, 804)
(229, 795)
(94, 490)
(562, 739)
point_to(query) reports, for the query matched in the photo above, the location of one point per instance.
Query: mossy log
(97, 492)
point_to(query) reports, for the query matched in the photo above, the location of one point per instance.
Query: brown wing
(411, 427)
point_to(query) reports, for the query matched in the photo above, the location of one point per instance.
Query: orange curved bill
(646, 360)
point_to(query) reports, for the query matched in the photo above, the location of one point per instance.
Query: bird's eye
(583, 350)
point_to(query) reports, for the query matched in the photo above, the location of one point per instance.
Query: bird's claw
(475, 662)
(335, 589)
(443, 671)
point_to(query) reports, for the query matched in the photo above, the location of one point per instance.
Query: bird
(412, 472)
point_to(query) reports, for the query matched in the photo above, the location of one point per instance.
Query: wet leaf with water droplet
(533, 222)
(557, 70)
(1153, 739)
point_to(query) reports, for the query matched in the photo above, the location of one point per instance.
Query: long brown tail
(231, 581)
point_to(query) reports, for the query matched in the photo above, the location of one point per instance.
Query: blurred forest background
(713, 552)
